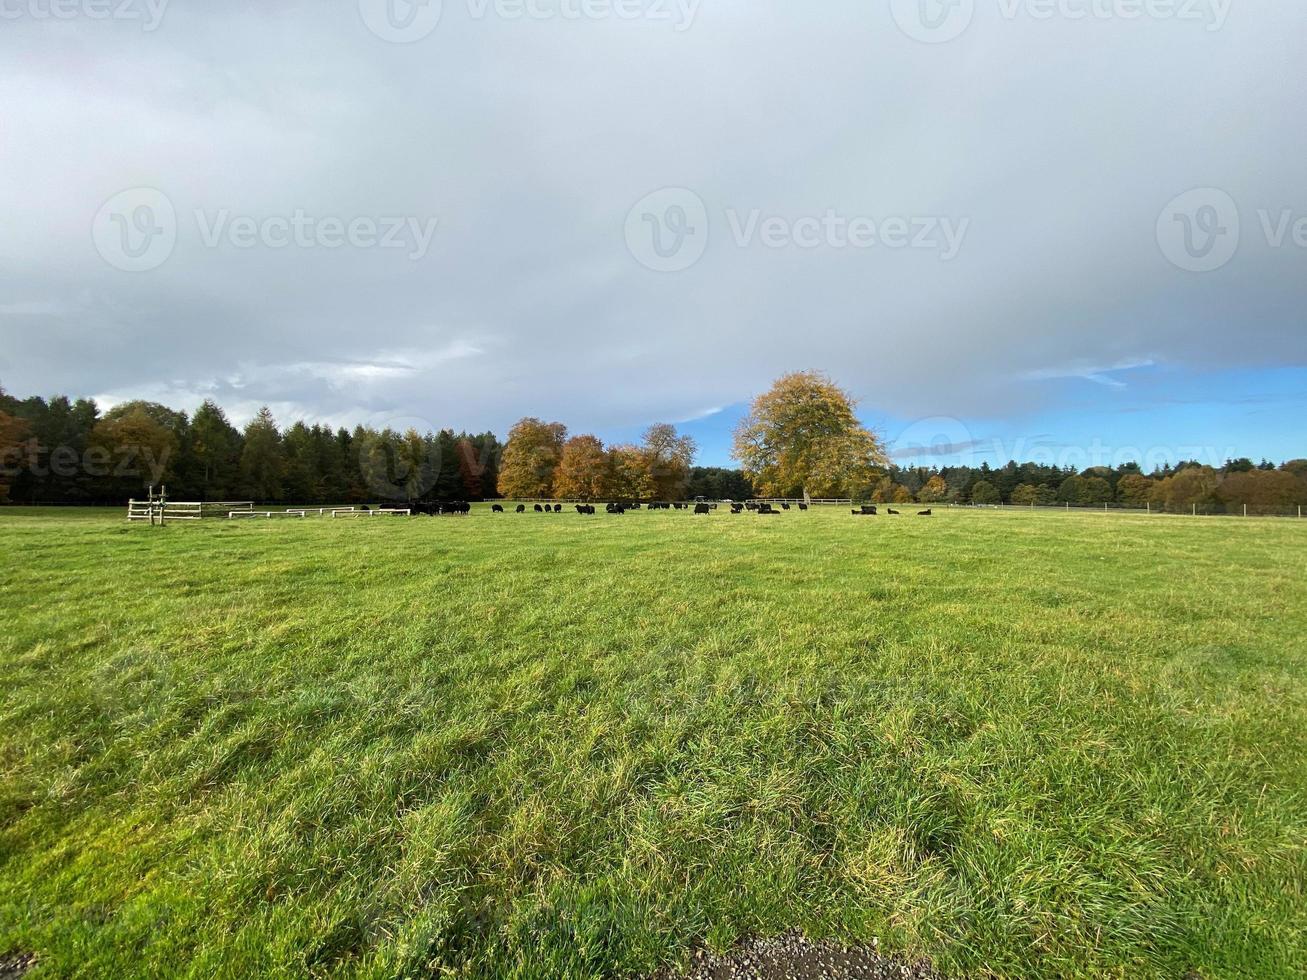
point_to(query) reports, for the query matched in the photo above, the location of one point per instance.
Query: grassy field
(1025, 744)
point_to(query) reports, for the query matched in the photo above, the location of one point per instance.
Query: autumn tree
(530, 458)
(668, 458)
(1134, 490)
(1192, 488)
(136, 447)
(986, 493)
(802, 437)
(887, 491)
(582, 469)
(628, 474)
(1024, 495)
(935, 490)
(1262, 491)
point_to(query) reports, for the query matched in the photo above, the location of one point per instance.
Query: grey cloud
(530, 140)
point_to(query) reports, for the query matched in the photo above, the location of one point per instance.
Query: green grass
(1026, 744)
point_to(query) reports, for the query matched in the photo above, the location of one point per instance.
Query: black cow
(521, 508)
(803, 506)
(539, 509)
(767, 509)
(891, 510)
(751, 506)
(737, 508)
(558, 508)
(496, 509)
(923, 513)
(785, 506)
(615, 509)
(585, 508)
(702, 509)
(867, 510)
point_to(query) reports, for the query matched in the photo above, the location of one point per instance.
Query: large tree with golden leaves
(530, 459)
(582, 470)
(628, 474)
(802, 437)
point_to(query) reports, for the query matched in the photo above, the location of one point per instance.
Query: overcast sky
(1052, 223)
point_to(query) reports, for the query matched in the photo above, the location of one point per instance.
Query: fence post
(1245, 510)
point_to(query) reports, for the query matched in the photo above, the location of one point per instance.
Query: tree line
(66, 451)
(1264, 488)
(800, 438)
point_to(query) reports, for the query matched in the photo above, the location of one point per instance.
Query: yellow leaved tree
(803, 438)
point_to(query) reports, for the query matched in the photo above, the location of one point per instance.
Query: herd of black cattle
(461, 508)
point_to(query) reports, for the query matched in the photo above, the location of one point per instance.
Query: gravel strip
(792, 957)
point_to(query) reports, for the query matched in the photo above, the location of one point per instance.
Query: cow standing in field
(702, 509)
(521, 508)
(539, 509)
(497, 509)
